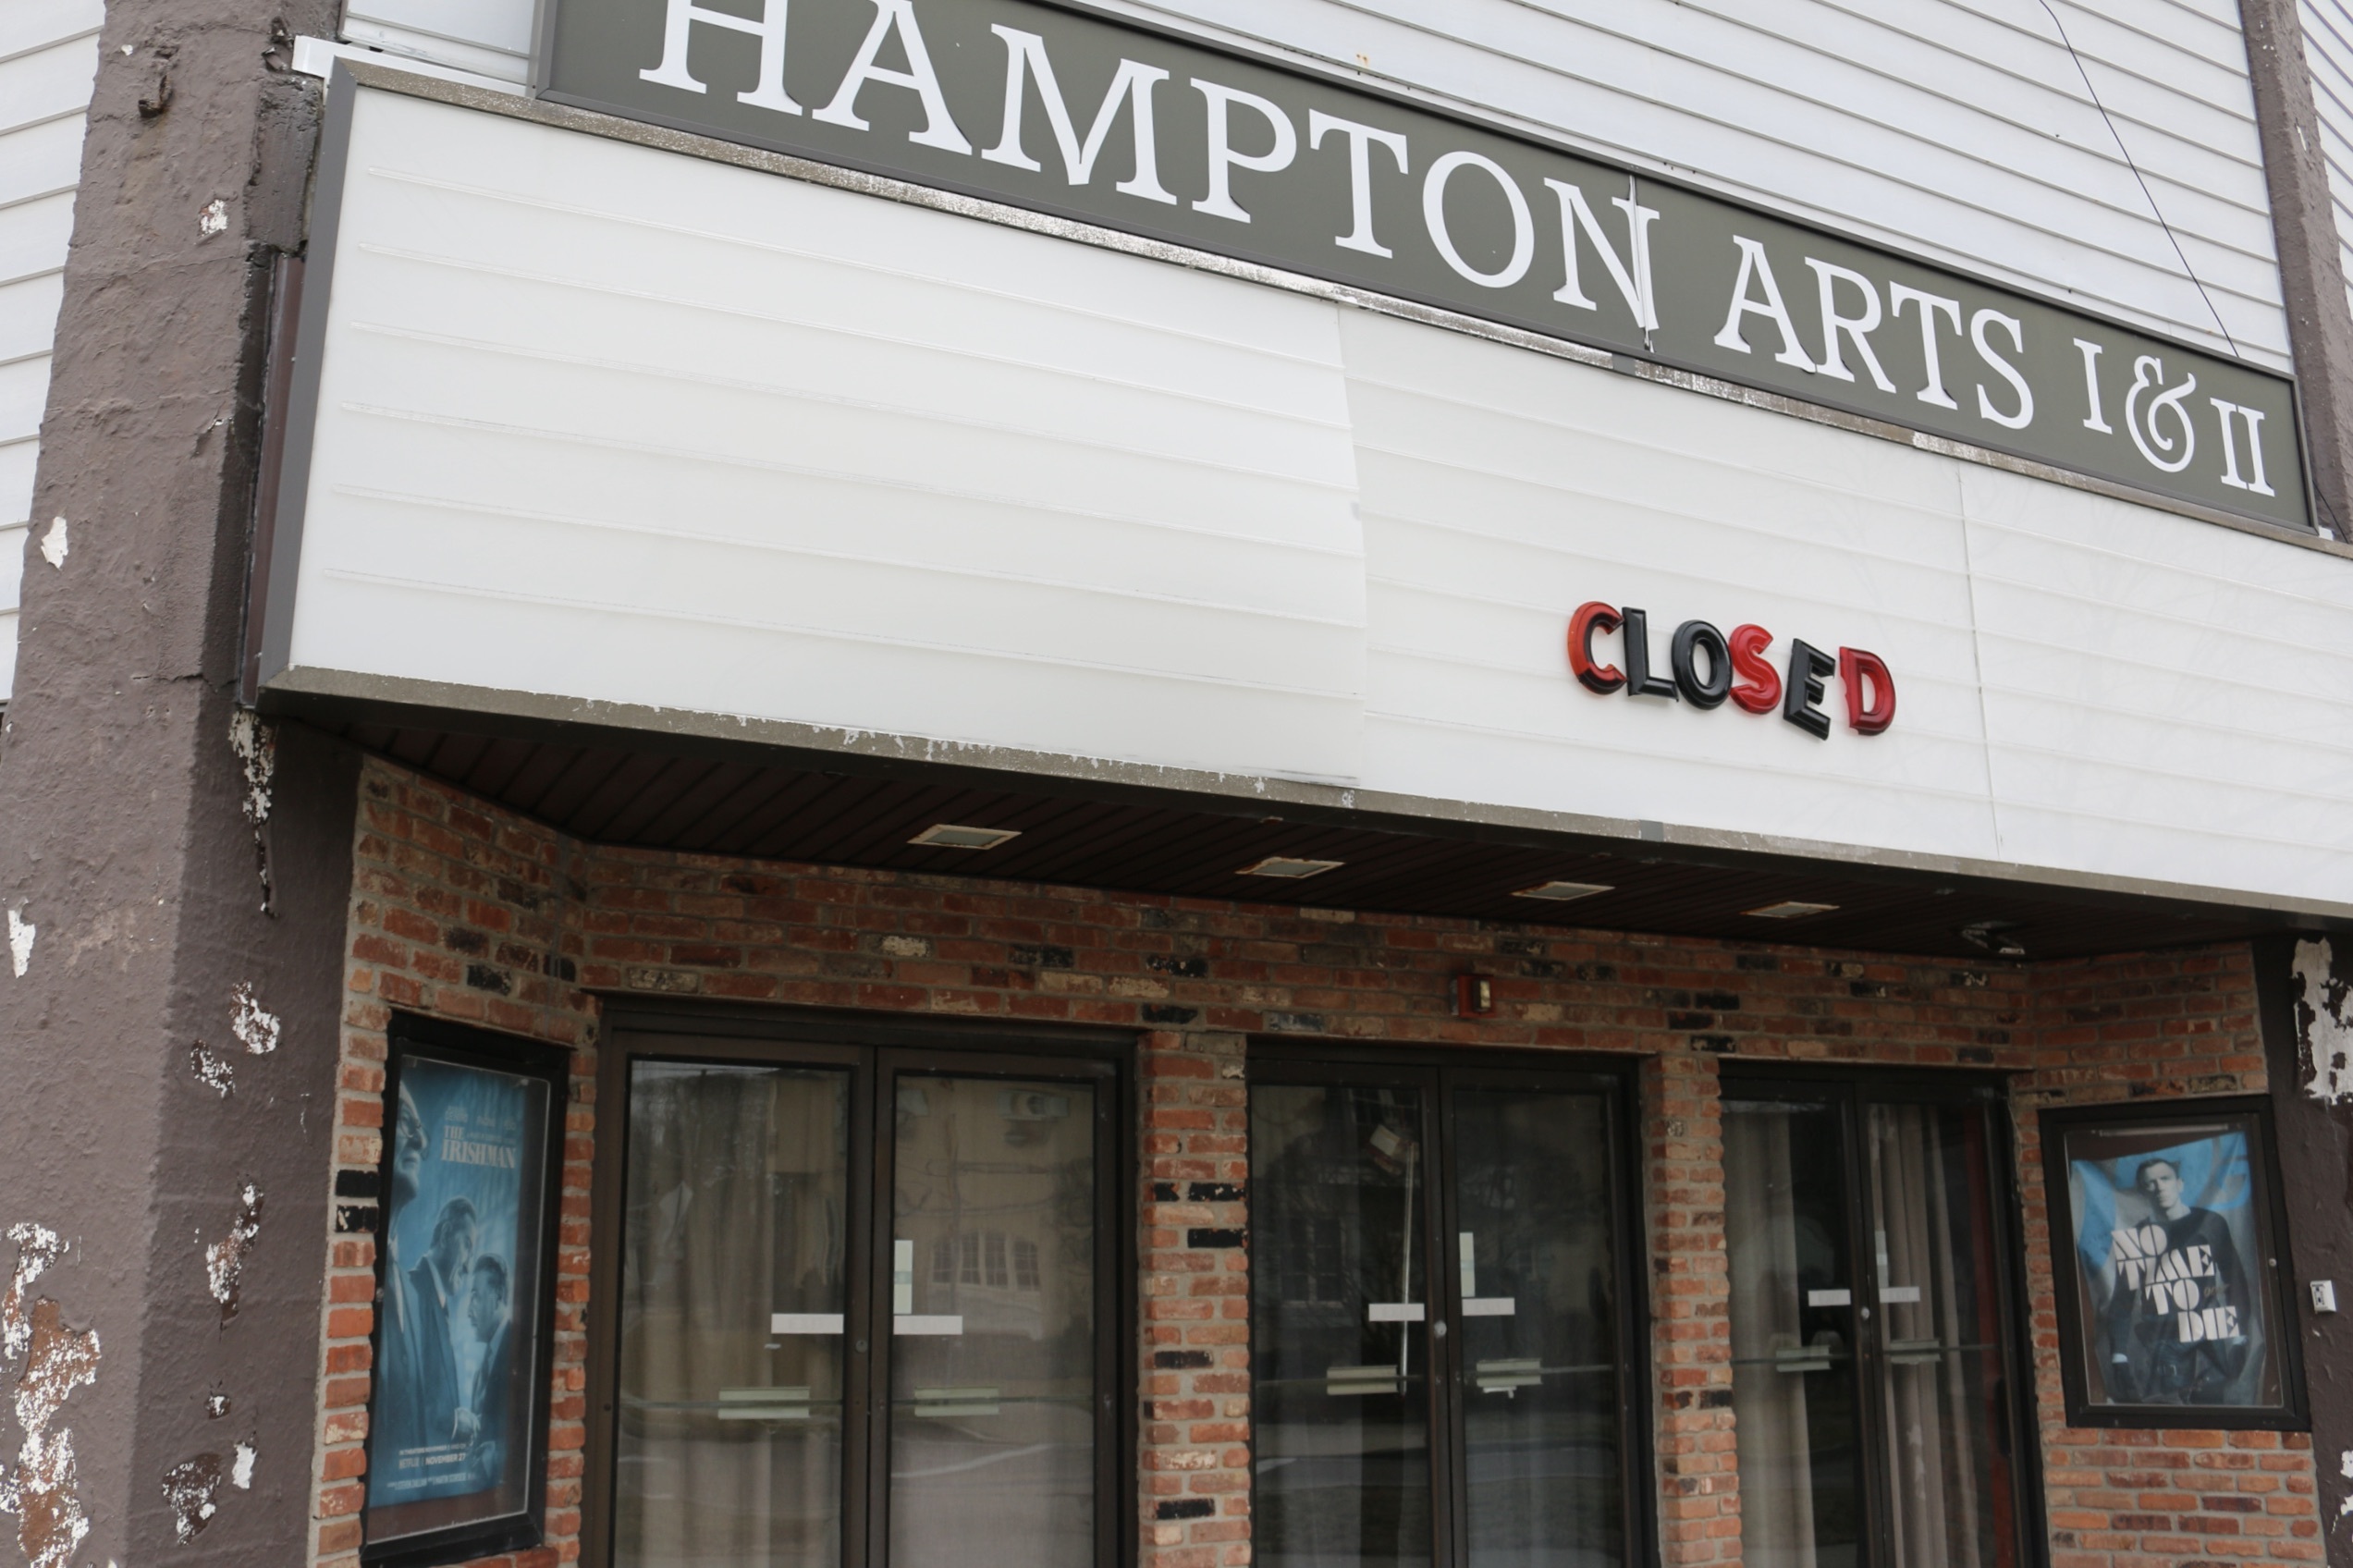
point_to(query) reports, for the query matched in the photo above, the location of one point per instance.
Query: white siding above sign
(48, 57)
(624, 434)
(1961, 131)
(488, 38)
(1956, 129)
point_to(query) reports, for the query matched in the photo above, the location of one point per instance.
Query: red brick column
(2167, 1026)
(459, 916)
(1691, 1321)
(1194, 1241)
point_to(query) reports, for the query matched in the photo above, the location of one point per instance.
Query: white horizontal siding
(2083, 683)
(1501, 489)
(614, 425)
(1956, 129)
(883, 468)
(489, 38)
(1959, 130)
(48, 57)
(2328, 55)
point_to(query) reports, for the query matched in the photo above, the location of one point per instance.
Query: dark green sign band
(1069, 114)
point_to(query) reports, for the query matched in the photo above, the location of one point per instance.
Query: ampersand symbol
(2147, 373)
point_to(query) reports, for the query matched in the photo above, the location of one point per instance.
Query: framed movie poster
(465, 1297)
(2166, 1231)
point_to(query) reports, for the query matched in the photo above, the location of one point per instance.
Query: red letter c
(1601, 680)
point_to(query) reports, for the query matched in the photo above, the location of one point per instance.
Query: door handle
(1474, 1303)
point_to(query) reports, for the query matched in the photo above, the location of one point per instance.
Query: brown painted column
(2319, 325)
(166, 1056)
(2300, 986)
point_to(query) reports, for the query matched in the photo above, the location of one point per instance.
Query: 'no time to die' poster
(2170, 1263)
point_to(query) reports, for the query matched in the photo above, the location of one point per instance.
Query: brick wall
(464, 912)
(2118, 1029)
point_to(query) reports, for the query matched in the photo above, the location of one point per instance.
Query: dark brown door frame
(1436, 1074)
(873, 1048)
(1854, 1090)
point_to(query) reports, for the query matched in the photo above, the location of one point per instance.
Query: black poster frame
(411, 1036)
(2266, 1271)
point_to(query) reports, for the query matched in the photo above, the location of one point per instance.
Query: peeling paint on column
(255, 1027)
(43, 1492)
(2323, 1032)
(20, 935)
(191, 1487)
(225, 1259)
(53, 544)
(240, 1467)
(256, 744)
(37, 1247)
(212, 1071)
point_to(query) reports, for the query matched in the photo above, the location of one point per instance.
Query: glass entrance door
(1874, 1389)
(865, 1307)
(1439, 1318)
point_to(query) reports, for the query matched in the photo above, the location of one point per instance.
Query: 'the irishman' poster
(2169, 1253)
(460, 1255)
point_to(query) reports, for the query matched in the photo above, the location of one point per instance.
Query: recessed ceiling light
(1284, 865)
(1790, 909)
(949, 836)
(1562, 891)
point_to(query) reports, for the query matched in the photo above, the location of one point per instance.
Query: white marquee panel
(603, 425)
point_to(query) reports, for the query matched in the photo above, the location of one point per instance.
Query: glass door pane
(992, 1323)
(1538, 1351)
(1787, 1227)
(1945, 1400)
(1341, 1320)
(732, 1290)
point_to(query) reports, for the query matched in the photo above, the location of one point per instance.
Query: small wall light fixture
(1474, 994)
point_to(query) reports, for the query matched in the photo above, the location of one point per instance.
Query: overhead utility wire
(2187, 271)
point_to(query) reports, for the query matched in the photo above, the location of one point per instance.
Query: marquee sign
(1071, 113)
(1706, 667)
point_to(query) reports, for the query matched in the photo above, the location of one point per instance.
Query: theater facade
(920, 782)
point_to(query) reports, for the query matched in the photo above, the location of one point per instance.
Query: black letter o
(1696, 634)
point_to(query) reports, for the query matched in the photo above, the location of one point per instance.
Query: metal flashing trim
(386, 76)
(538, 714)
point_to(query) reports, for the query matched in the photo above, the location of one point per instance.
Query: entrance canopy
(687, 494)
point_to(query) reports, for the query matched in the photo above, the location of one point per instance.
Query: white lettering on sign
(1224, 160)
(1676, 259)
(1360, 174)
(897, 17)
(1025, 58)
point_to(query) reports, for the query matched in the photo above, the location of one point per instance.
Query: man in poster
(484, 1423)
(2176, 1295)
(436, 1286)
